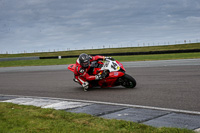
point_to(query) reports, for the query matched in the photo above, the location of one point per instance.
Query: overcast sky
(80, 24)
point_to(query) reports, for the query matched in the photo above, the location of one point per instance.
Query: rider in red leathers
(82, 68)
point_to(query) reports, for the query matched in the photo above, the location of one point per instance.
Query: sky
(52, 25)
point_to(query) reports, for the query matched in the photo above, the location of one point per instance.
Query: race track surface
(167, 84)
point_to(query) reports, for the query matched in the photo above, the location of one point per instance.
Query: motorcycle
(114, 72)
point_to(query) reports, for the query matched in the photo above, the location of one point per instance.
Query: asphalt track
(167, 84)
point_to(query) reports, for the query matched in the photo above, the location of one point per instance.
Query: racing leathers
(81, 73)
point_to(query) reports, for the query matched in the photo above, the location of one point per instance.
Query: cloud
(193, 19)
(49, 24)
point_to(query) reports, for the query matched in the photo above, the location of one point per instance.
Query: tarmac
(156, 63)
(157, 117)
(153, 116)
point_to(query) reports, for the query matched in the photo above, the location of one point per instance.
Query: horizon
(48, 25)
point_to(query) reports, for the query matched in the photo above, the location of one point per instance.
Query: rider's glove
(103, 75)
(98, 77)
(90, 56)
(110, 58)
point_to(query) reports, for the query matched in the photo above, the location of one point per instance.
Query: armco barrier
(108, 54)
(19, 58)
(131, 53)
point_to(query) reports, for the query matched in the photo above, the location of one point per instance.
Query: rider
(83, 66)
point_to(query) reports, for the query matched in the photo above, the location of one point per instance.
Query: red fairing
(116, 74)
(120, 64)
(71, 67)
(109, 82)
(111, 79)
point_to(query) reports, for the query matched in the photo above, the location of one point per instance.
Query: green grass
(41, 62)
(119, 58)
(24, 119)
(108, 50)
(158, 57)
(101, 51)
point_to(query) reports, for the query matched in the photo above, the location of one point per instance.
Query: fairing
(121, 65)
(71, 67)
(111, 79)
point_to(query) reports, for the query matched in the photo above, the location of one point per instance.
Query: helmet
(84, 60)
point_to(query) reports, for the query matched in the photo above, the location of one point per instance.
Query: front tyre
(128, 81)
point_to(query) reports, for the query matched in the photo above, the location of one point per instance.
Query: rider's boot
(76, 80)
(85, 86)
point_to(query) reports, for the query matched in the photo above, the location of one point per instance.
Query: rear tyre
(128, 81)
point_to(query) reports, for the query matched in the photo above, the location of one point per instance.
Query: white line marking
(197, 130)
(47, 103)
(41, 102)
(109, 103)
(66, 105)
(19, 100)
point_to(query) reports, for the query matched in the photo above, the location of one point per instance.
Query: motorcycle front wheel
(128, 81)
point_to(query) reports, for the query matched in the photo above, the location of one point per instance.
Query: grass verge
(108, 50)
(119, 58)
(24, 119)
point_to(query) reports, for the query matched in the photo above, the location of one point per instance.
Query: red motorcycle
(114, 74)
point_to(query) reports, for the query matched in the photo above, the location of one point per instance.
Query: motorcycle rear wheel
(128, 81)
